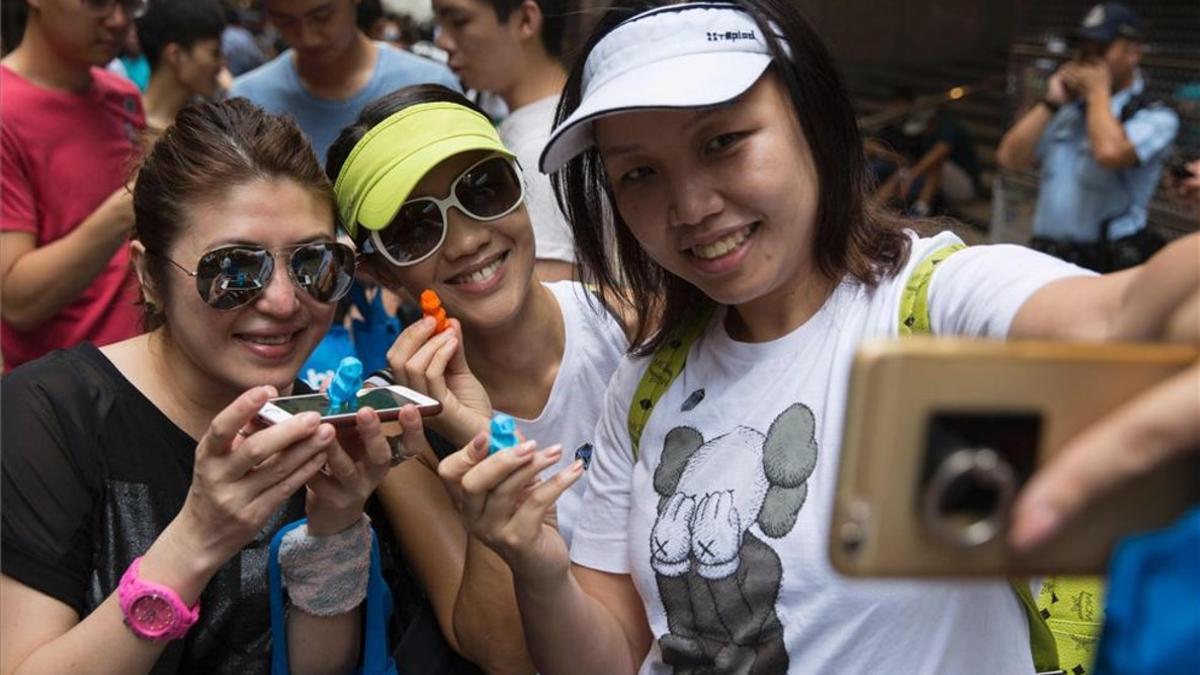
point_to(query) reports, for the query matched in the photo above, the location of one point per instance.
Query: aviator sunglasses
(487, 190)
(232, 276)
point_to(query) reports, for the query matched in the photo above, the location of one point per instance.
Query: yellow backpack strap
(914, 320)
(914, 301)
(1041, 640)
(666, 365)
(1073, 608)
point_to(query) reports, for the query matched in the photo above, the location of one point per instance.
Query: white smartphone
(386, 401)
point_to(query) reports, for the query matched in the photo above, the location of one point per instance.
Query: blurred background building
(980, 62)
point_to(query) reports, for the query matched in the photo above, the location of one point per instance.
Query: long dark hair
(850, 239)
(208, 150)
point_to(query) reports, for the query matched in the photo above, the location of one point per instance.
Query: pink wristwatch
(153, 611)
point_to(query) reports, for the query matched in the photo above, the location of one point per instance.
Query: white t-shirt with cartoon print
(595, 342)
(723, 519)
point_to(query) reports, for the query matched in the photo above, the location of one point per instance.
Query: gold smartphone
(940, 435)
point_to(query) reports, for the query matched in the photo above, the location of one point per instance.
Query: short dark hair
(554, 20)
(183, 22)
(210, 149)
(367, 13)
(851, 238)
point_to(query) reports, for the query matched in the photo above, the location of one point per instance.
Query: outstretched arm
(1157, 301)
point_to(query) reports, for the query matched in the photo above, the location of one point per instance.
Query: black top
(92, 473)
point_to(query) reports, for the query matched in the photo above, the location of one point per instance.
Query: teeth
(722, 246)
(481, 274)
(267, 339)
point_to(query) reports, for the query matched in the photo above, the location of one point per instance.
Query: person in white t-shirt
(513, 48)
(722, 141)
(435, 200)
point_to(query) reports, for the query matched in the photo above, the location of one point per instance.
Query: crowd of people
(659, 250)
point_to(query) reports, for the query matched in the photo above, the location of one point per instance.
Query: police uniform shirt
(1077, 194)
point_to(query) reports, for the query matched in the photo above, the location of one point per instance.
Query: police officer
(1101, 144)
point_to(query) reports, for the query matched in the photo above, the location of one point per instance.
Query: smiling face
(725, 198)
(483, 270)
(266, 340)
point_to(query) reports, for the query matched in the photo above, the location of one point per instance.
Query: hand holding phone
(386, 401)
(941, 435)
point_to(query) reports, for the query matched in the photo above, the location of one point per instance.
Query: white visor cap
(679, 56)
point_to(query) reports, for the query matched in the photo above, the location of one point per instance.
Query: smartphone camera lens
(966, 504)
(974, 466)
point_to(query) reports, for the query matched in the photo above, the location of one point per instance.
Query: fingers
(528, 519)
(517, 483)
(262, 445)
(338, 496)
(267, 502)
(222, 431)
(477, 483)
(376, 459)
(340, 464)
(453, 468)
(1138, 437)
(435, 370)
(289, 458)
(407, 344)
(248, 429)
(491, 490)
(415, 442)
(458, 361)
(411, 352)
(417, 369)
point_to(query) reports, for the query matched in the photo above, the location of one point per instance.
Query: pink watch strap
(133, 588)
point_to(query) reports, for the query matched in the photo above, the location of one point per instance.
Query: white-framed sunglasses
(487, 190)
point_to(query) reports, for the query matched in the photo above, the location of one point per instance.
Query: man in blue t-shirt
(332, 69)
(330, 73)
(1100, 143)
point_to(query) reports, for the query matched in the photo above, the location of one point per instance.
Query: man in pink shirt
(69, 131)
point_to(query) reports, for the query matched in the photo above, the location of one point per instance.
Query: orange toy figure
(431, 305)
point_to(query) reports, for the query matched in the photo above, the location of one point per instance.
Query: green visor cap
(395, 154)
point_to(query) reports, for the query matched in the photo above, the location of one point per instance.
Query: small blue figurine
(343, 390)
(503, 432)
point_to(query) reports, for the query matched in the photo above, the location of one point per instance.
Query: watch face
(152, 613)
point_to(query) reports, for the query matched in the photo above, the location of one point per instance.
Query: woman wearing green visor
(434, 200)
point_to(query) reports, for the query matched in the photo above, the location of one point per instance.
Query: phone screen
(379, 399)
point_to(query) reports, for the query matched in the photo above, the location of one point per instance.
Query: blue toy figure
(503, 432)
(343, 390)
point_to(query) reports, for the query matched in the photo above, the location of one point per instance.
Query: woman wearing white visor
(720, 138)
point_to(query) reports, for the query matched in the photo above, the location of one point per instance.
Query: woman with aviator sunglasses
(139, 493)
(435, 200)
